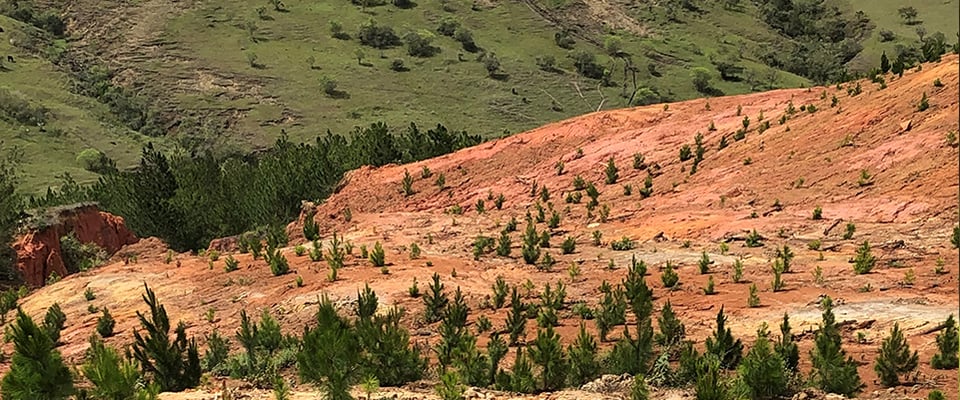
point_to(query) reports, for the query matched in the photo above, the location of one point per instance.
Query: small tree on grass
(175, 365)
(727, 349)
(833, 371)
(947, 345)
(895, 358)
(37, 370)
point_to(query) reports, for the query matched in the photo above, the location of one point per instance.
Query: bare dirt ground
(814, 159)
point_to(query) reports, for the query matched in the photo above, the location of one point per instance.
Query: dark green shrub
(547, 352)
(611, 172)
(864, 261)
(531, 244)
(376, 36)
(669, 276)
(632, 355)
(218, 349)
(516, 320)
(569, 245)
(787, 348)
(311, 230)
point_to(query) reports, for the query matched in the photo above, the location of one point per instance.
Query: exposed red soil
(907, 214)
(38, 250)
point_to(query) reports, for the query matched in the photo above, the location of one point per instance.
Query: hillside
(230, 76)
(904, 205)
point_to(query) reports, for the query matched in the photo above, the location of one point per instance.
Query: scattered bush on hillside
(15, 109)
(586, 65)
(420, 45)
(378, 36)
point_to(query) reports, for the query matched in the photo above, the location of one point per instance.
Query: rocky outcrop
(38, 248)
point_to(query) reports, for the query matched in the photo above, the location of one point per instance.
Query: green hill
(230, 75)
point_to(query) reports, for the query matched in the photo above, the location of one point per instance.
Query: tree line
(189, 199)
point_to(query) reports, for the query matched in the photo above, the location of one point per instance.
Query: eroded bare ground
(907, 213)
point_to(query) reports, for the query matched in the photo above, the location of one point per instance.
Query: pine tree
(727, 349)
(531, 245)
(112, 377)
(947, 344)
(786, 347)
(521, 378)
(516, 320)
(612, 172)
(638, 293)
(633, 355)
(53, 322)
(708, 383)
(672, 330)
(583, 358)
(884, 63)
(330, 354)
(895, 358)
(37, 371)
(174, 366)
(105, 324)
(833, 371)
(435, 300)
(387, 353)
(547, 352)
(763, 371)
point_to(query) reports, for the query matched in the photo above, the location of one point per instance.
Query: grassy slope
(934, 16)
(80, 121)
(437, 89)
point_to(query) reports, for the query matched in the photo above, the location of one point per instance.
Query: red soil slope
(906, 209)
(39, 253)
